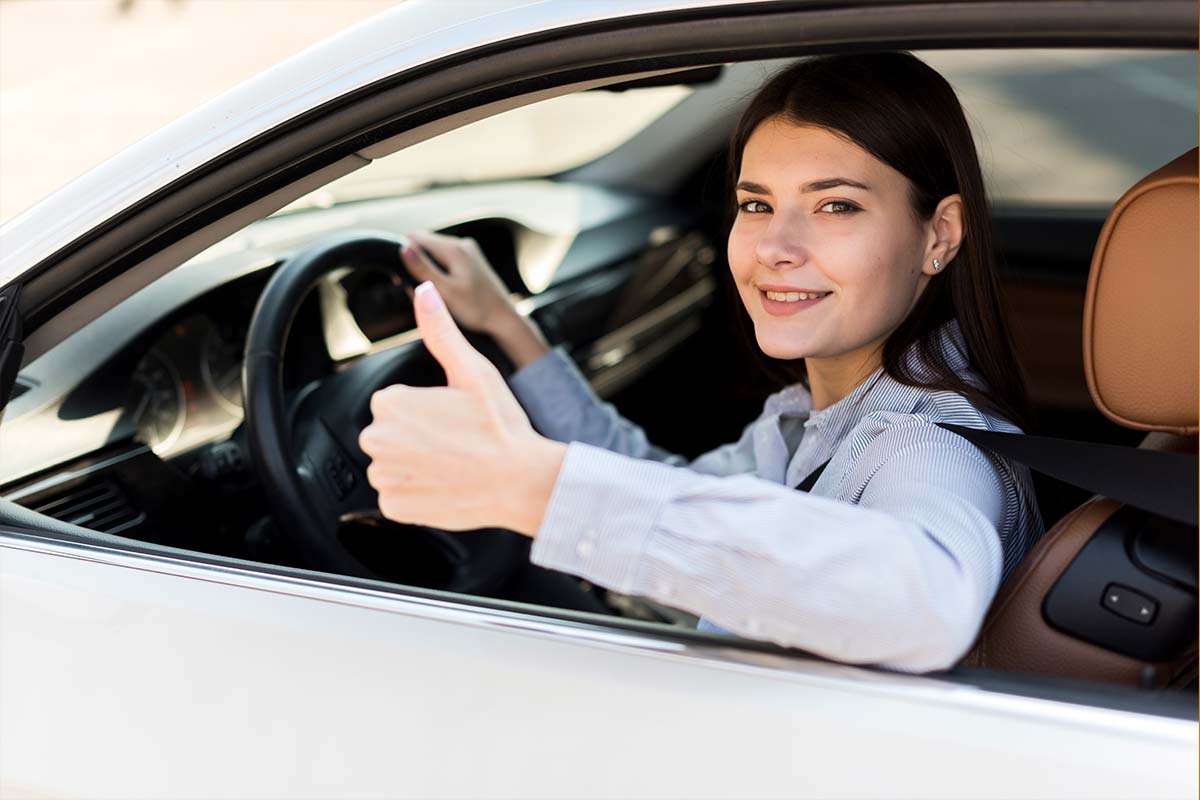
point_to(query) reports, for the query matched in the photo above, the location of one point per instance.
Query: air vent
(100, 506)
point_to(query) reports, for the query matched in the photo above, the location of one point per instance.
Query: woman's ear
(945, 234)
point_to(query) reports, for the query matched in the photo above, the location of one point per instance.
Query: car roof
(412, 33)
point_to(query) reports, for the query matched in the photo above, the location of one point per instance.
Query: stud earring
(936, 265)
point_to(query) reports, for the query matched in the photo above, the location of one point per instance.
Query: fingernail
(427, 294)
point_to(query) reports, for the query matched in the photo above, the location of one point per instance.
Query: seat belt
(1161, 483)
(807, 484)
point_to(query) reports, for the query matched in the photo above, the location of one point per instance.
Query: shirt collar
(880, 392)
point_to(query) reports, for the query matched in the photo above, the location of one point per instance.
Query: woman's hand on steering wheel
(468, 285)
(461, 456)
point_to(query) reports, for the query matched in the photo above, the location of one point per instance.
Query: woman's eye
(753, 206)
(842, 207)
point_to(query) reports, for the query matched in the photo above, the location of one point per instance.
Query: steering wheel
(304, 447)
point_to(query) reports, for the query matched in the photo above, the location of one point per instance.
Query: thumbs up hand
(462, 456)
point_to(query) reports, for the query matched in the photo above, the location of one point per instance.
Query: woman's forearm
(520, 339)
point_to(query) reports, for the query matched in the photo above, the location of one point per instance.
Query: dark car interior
(644, 305)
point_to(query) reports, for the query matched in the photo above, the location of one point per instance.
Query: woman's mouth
(780, 304)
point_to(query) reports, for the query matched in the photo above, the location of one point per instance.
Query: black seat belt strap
(807, 484)
(1154, 481)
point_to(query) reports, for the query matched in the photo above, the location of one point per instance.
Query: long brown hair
(904, 113)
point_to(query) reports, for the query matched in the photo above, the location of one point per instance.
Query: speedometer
(160, 408)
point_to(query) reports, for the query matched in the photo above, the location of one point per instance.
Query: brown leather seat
(1140, 342)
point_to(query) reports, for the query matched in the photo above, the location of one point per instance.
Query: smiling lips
(780, 302)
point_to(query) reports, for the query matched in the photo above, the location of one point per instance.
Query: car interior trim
(622, 354)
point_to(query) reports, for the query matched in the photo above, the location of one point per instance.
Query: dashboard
(162, 369)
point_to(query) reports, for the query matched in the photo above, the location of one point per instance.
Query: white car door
(128, 675)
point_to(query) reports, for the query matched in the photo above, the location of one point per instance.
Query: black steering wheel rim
(301, 488)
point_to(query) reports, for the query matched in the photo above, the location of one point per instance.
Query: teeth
(792, 297)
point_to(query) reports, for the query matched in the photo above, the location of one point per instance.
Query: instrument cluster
(187, 388)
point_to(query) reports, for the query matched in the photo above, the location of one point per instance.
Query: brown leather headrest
(1140, 317)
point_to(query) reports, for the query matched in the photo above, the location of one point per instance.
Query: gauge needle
(141, 406)
(229, 374)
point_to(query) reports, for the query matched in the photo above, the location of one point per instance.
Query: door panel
(145, 678)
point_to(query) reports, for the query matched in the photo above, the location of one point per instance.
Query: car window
(1072, 127)
(1053, 128)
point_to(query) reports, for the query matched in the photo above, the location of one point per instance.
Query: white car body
(188, 681)
(135, 675)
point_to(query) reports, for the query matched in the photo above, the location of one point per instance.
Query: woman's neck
(831, 379)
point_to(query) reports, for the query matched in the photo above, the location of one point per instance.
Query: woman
(861, 252)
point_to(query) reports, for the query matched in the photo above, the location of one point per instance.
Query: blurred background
(80, 80)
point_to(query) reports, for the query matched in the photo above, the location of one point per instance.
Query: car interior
(611, 236)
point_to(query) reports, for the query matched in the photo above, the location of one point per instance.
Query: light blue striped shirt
(891, 559)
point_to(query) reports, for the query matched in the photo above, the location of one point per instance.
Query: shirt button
(584, 548)
(664, 589)
(752, 627)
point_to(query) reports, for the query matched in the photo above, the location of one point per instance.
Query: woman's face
(818, 215)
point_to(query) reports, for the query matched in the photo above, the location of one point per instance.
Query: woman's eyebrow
(752, 187)
(829, 183)
(812, 186)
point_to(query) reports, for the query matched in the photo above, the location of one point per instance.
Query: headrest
(1140, 316)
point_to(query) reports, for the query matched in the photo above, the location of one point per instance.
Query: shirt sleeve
(902, 578)
(562, 405)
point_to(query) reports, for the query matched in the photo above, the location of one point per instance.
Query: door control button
(1129, 604)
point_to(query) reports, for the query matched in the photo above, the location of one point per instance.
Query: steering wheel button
(337, 479)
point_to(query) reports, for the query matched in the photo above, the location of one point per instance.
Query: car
(198, 597)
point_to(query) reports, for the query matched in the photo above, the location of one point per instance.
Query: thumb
(464, 365)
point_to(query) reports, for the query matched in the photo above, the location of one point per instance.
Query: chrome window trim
(798, 668)
(59, 478)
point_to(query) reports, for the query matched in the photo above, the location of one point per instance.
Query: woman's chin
(782, 349)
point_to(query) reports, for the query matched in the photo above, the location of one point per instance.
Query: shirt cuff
(553, 393)
(601, 514)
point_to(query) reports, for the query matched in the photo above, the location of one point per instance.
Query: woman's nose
(782, 244)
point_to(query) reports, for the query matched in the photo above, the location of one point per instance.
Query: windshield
(528, 142)
(1057, 128)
